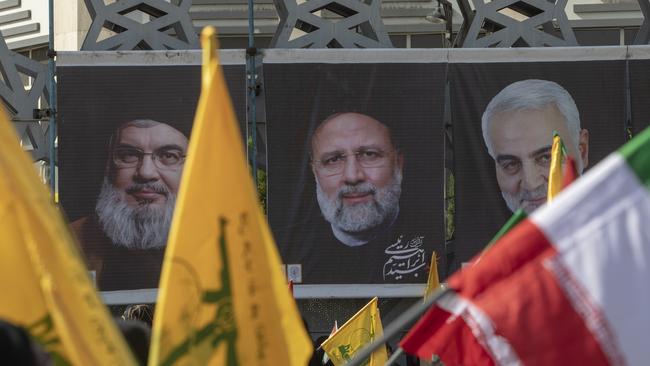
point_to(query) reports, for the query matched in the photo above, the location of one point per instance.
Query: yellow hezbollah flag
(223, 299)
(44, 284)
(555, 173)
(360, 330)
(433, 281)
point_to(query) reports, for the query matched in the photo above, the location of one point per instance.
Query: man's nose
(147, 170)
(533, 177)
(353, 172)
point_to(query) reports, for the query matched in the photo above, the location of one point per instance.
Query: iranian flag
(570, 285)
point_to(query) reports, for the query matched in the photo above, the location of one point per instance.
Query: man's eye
(333, 160)
(169, 156)
(510, 167)
(544, 159)
(370, 154)
(128, 155)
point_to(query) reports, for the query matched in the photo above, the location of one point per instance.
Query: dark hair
(18, 348)
(138, 336)
(391, 136)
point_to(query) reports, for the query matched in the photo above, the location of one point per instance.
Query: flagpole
(52, 98)
(407, 318)
(398, 352)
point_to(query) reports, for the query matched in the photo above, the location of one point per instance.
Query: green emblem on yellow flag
(222, 328)
(357, 332)
(223, 299)
(44, 284)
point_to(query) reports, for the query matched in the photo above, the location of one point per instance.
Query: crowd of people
(17, 347)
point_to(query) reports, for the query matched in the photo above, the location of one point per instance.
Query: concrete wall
(24, 23)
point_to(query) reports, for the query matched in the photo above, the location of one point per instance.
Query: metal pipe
(252, 90)
(52, 99)
(393, 358)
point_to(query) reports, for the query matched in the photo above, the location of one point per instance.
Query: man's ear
(313, 169)
(583, 147)
(400, 160)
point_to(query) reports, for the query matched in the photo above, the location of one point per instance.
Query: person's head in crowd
(138, 336)
(518, 126)
(138, 194)
(18, 348)
(358, 170)
(141, 312)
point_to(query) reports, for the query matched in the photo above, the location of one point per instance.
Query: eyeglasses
(367, 158)
(163, 158)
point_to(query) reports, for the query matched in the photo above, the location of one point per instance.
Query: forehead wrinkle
(516, 132)
(539, 151)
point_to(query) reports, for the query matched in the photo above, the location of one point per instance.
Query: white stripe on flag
(601, 228)
(482, 328)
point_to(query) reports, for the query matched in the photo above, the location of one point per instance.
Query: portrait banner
(355, 157)
(124, 125)
(515, 107)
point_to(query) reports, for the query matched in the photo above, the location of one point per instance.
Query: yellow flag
(360, 330)
(555, 173)
(223, 299)
(44, 284)
(433, 281)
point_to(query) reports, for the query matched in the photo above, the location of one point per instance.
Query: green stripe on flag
(637, 154)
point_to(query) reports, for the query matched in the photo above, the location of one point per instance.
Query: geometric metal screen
(520, 23)
(140, 25)
(21, 103)
(330, 24)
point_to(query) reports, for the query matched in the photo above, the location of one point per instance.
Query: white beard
(361, 217)
(141, 227)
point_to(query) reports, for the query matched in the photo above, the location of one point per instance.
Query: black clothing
(398, 254)
(116, 268)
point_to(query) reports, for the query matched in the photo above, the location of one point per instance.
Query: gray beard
(514, 201)
(362, 217)
(142, 227)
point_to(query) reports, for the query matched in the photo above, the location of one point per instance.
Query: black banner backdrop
(93, 102)
(409, 100)
(598, 88)
(406, 97)
(639, 94)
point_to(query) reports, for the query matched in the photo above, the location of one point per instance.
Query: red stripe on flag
(514, 250)
(533, 313)
(526, 311)
(590, 313)
(449, 337)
